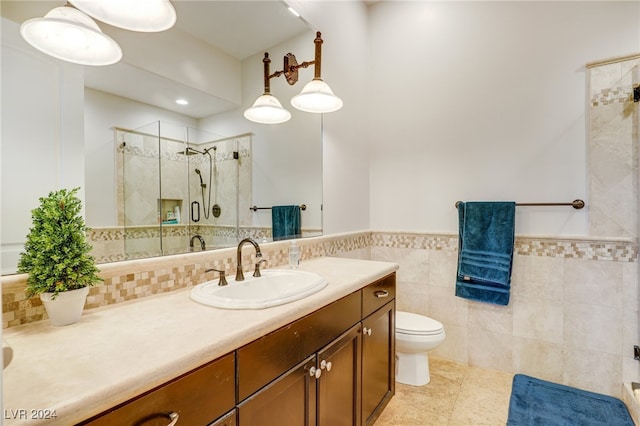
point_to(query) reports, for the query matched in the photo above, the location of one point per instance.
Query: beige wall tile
(445, 307)
(488, 317)
(412, 297)
(593, 371)
(443, 267)
(538, 319)
(593, 282)
(592, 328)
(455, 346)
(490, 350)
(538, 359)
(537, 278)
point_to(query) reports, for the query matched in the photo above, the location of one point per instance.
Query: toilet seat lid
(409, 323)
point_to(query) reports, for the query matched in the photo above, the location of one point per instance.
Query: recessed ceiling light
(182, 102)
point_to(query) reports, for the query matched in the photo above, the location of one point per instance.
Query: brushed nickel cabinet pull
(381, 293)
(174, 417)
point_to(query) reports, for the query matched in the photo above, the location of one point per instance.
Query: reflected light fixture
(68, 34)
(316, 96)
(137, 15)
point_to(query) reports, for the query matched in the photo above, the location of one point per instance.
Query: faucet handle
(223, 279)
(256, 272)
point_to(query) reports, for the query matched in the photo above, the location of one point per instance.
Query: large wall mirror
(158, 177)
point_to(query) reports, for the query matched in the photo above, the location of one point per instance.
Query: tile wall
(572, 318)
(613, 147)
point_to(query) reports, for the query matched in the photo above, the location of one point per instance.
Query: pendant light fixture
(68, 34)
(316, 96)
(267, 109)
(137, 15)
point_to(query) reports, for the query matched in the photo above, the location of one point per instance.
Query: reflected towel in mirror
(285, 222)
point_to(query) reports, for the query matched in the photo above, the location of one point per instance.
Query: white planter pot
(67, 307)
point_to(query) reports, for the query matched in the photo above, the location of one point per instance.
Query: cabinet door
(378, 361)
(289, 400)
(339, 383)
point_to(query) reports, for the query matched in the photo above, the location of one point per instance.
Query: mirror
(62, 123)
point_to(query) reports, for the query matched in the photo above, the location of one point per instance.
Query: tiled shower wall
(150, 167)
(613, 148)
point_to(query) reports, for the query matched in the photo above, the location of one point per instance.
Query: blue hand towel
(285, 222)
(485, 251)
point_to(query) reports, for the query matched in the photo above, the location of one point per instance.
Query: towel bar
(254, 208)
(576, 204)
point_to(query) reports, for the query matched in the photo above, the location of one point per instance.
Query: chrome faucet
(199, 238)
(239, 274)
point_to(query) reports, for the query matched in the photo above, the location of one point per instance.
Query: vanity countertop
(120, 351)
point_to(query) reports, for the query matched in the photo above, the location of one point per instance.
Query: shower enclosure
(179, 187)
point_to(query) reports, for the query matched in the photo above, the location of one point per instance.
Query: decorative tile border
(618, 251)
(130, 280)
(615, 95)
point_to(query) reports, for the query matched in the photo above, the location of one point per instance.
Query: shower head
(189, 151)
(202, 184)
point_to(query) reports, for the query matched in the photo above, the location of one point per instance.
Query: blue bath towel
(285, 222)
(485, 251)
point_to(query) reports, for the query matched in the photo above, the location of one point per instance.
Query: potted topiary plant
(56, 257)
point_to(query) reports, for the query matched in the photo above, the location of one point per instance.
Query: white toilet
(415, 336)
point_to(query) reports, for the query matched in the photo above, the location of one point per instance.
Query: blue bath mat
(538, 402)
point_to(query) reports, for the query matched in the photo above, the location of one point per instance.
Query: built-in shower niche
(169, 180)
(170, 211)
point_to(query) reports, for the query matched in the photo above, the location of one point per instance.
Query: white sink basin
(275, 287)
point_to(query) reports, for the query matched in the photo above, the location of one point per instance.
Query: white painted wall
(485, 101)
(42, 135)
(345, 132)
(103, 112)
(448, 101)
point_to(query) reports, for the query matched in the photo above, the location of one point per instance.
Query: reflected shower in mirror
(171, 190)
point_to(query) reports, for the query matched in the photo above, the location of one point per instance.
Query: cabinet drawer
(377, 294)
(263, 360)
(198, 398)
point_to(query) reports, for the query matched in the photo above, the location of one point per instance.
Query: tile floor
(458, 395)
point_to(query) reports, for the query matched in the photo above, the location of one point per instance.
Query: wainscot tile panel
(572, 318)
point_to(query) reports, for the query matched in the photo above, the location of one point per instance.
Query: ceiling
(238, 28)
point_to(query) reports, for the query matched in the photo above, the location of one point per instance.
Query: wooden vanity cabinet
(347, 381)
(197, 398)
(338, 402)
(289, 400)
(333, 367)
(378, 347)
(270, 356)
(378, 362)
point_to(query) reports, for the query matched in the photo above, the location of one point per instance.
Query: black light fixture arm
(267, 86)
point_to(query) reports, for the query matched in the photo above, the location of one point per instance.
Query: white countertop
(120, 351)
